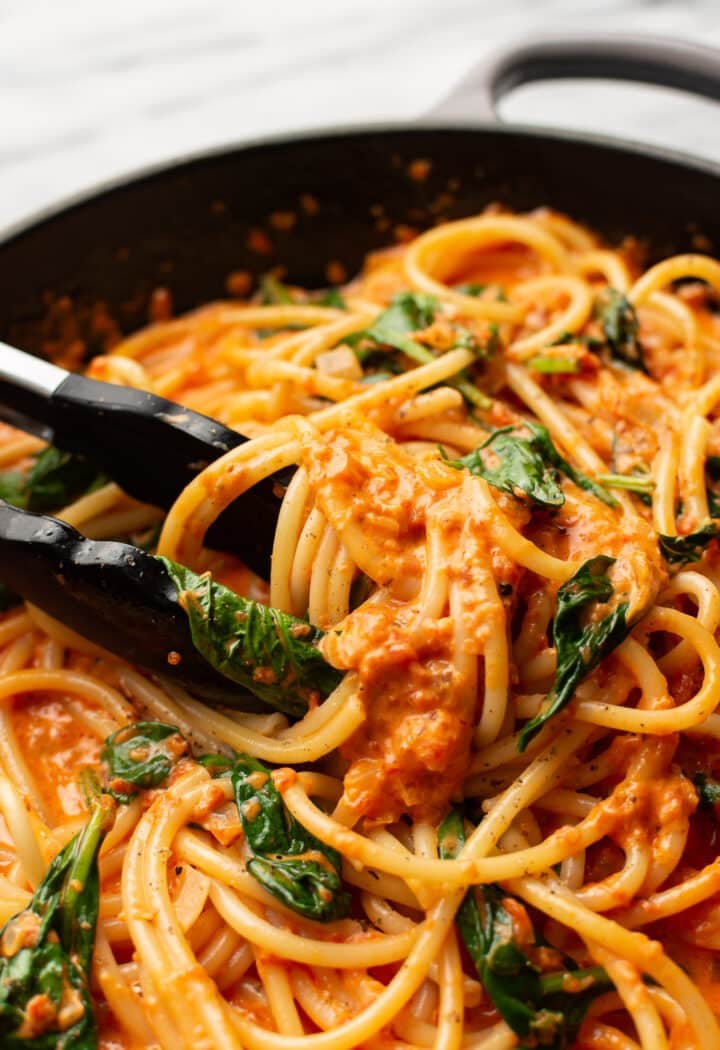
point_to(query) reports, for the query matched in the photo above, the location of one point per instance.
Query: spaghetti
(499, 829)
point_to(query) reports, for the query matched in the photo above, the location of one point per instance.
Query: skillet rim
(174, 165)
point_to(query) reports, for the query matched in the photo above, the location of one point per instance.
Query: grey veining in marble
(90, 89)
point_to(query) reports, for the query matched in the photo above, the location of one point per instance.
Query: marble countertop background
(90, 89)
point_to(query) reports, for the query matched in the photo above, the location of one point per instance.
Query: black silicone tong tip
(153, 448)
(150, 446)
(112, 593)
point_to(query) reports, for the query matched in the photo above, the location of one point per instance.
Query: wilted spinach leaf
(683, 550)
(273, 292)
(412, 312)
(288, 861)
(408, 312)
(331, 297)
(55, 479)
(141, 756)
(216, 765)
(13, 488)
(46, 952)
(536, 1006)
(528, 467)
(708, 790)
(269, 652)
(620, 328)
(580, 648)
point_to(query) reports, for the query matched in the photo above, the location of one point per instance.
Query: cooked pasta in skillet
(474, 802)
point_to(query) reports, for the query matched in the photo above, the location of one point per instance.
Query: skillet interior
(188, 226)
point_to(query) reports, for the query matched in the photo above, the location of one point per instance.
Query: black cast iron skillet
(86, 271)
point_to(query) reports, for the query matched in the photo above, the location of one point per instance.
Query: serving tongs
(115, 594)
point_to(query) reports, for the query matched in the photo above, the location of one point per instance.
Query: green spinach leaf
(620, 328)
(641, 484)
(408, 312)
(273, 292)
(45, 952)
(216, 765)
(55, 479)
(411, 312)
(537, 1007)
(580, 648)
(288, 861)
(141, 756)
(708, 790)
(13, 488)
(528, 467)
(574, 337)
(683, 550)
(473, 288)
(272, 654)
(331, 297)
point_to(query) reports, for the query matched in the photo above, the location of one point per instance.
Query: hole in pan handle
(648, 59)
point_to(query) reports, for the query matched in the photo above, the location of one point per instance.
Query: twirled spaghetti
(503, 518)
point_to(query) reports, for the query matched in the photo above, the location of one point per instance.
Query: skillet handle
(648, 59)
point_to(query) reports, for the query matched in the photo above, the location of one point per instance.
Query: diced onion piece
(341, 362)
(191, 895)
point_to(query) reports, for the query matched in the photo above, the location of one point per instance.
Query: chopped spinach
(331, 297)
(269, 652)
(640, 484)
(55, 479)
(465, 340)
(546, 1009)
(140, 756)
(12, 488)
(549, 365)
(580, 649)
(46, 950)
(528, 467)
(216, 765)
(708, 790)
(472, 288)
(412, 312)
(58, 478)
(574, 337)
(287, 860)
(619, 323)
(713, 499)
(273, 292)
(408, 312)
(683, 550)
(620, 328)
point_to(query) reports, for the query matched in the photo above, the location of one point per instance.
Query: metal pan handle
(653, 60)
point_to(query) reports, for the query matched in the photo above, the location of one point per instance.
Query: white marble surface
(90, 89)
